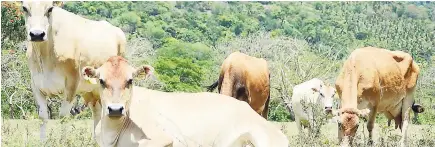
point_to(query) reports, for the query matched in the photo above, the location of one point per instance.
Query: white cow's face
(37, 15)
(326, 96)
(116, 82)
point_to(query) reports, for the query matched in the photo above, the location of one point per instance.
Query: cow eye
(25, 9)
(129, 82)
(102, 83)
(321, 94)
(49, 11)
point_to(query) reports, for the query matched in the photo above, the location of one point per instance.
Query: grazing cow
(373, 81)
(247, 79)
(314, 91)
(59, 44)
(136, 116)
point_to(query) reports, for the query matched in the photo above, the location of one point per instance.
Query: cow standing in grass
(247, 79)
(136, 116)
(316, 92)
(373, 81)
(59, 44)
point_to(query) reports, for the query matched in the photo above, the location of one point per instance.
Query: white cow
(313, 91)
(59, 44)
(135, 116)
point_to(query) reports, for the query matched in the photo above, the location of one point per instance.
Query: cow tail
(212, 86)
(417, 108)
(122, 43)
(266, 105)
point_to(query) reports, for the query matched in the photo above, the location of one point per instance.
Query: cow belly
(49, 83)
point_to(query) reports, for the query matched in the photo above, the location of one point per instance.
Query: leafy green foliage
(184, 40)
(12, 22)
(182, 65)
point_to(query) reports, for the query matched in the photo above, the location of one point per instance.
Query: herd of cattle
(69, 55)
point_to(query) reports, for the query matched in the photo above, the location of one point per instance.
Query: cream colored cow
(59, 44)
(313, 91)
(135, 116)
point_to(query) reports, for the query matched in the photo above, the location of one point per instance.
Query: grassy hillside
(187, 41)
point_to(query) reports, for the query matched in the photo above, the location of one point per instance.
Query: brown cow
(373, 81)
(247, 79)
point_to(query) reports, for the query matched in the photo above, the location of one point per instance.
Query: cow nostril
(120, 109)
(37, 34)
(110, 109)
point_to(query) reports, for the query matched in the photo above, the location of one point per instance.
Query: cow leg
(71, 84)
(42, 103)
(371, 124)
(406, 109)
(93, 102)
(266, 107)
(298, 124)
(96, 114)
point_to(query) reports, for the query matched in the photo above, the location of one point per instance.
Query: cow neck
(350, 87)
(42, 55)
(113, 129)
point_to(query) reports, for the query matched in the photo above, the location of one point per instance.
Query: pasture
(19, 132)
(187, 42)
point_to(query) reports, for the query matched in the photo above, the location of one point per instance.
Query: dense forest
(187, 41)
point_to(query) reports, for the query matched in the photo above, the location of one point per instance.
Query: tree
(181, 66)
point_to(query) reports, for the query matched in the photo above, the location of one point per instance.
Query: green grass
(79, 133)
(26, 133)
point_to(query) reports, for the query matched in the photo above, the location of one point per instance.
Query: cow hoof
(370, 143)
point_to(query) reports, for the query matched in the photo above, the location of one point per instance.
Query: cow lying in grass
(135, 116)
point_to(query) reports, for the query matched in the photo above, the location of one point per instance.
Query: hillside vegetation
(187, 41)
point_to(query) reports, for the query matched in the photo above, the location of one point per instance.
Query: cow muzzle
(37, 35)
(115, 110)
(328, 110)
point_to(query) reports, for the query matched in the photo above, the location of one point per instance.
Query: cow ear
(89, 72)
(316, 88)
(58, 3)
(147, 69)
(19, 3)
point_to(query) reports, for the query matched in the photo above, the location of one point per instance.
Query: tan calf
(135, 116)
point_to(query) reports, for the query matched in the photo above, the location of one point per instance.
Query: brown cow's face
(37, 15)
(116, 81)
(326, 97)
(348, 124)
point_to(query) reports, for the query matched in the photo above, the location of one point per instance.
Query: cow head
(348, 123)
(326, 96)
(116, 80)
(37, 16)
